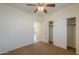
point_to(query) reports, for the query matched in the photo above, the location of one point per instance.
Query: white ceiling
(30, 9)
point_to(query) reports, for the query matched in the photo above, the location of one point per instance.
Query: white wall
(60, 26)
(16, 28)
(44, 32)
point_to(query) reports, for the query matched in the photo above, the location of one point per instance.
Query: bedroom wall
(60, 26)
(16, 28)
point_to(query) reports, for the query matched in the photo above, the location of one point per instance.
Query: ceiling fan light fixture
(40, 8)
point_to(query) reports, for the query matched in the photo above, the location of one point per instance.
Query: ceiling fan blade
(35, 10)
(45, 10)
(29, 4)
(50, 5)
(40, 4)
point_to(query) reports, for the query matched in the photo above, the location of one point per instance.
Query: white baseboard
(15, 48)
(3, 52)
(77, 52)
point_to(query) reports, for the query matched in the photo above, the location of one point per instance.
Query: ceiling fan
(41, 6)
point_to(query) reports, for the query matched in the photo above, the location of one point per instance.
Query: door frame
(67, 31)
(47, 40)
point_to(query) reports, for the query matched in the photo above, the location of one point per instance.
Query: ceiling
(30, 9)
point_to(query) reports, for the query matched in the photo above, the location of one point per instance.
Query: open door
(51, 32)
(35, 32)
(71, 34)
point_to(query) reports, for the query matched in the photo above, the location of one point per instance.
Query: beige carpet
(40, 48)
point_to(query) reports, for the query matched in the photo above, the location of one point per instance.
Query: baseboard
(1, 52)
(77, 52)
(59, 46)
